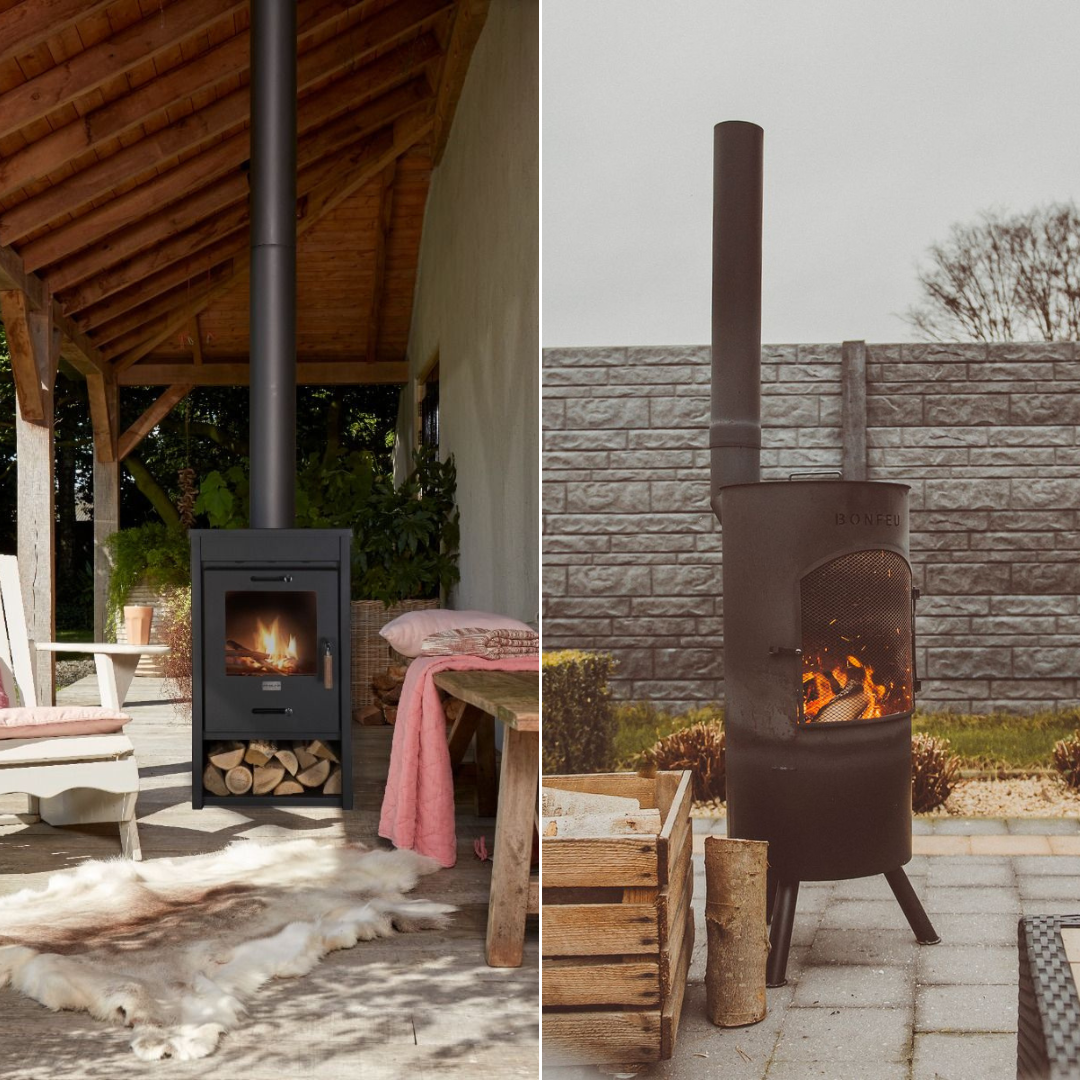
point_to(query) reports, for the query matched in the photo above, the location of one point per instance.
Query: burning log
(235, 650)
(735, 874)
(849, 705)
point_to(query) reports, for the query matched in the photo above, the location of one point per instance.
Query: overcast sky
(885, 122)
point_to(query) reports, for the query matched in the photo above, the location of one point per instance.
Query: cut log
(384, 681)
(369, 716)
(304, 758)
(390, 714)
(226, 755)
(398, 671)
(316, 775)
(321, 750)
(393, 695)
(260, 752)
(238, 780)
(558, 803)
(639, 823)
(289, 787)
(213, 780)
(333, 782)
(735, 923)
(267, 777)
(453, 709)
(288, 759)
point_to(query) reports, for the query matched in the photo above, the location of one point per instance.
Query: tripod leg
(912, 907)
(787, 892)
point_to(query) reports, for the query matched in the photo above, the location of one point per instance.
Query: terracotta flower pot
(137, 620)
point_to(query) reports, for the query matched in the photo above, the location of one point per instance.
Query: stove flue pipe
(273, 264)
(735, 430)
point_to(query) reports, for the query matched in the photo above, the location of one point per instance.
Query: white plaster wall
(477, 307)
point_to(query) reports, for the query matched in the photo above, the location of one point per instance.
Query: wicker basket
(370, 652)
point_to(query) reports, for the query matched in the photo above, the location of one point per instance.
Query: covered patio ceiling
(124, 190)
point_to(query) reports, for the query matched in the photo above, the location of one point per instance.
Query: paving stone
(855, 1035)
(1049, 887)
(983, 929)
(921, 826)
(814, 899)
(857, 985)
(872, 888)
(1044, 826)
(970, 965)
(963, 901)
(1055, 864)
(963, 1057)
(973, 871)
(835, 1070)
(958, 1008)
(1050, 907)
(864, 915)
(882, 948)
(969, 827)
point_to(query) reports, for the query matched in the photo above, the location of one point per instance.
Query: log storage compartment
(618, 928)
(294, 768)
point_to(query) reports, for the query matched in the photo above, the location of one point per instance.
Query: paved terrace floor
(864, 1001)
(420, 1005)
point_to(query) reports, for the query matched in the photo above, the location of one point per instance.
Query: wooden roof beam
(364, 162)
(23, 348)
(77, 191)
(151, 418)
(237, 373)
(469, 19)
(88, 70)
(382, 230)
(103, 418)
(29, 23)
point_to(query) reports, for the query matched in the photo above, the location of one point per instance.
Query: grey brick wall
(987, 437)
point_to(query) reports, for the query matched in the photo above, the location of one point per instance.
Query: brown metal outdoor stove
(819, 657)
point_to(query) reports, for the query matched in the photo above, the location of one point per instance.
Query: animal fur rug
(174, 947)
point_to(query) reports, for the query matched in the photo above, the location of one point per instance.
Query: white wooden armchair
(70, 779)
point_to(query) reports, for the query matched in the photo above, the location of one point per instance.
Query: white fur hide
(174, 947)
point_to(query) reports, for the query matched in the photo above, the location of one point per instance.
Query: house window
(429, 409)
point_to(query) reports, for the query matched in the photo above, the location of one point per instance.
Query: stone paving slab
(960, 1008)
(955, 1056)
(967, 965)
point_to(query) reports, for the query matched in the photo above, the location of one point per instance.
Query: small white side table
(116, 664)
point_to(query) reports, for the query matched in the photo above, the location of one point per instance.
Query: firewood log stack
(386, 692)
(262, 767)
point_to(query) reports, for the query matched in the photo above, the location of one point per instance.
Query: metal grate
(857, 638)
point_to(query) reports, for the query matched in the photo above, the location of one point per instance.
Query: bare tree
(1007, 277)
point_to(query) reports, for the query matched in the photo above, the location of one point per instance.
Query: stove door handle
(273, 712)
(328, 667)
(271, 577)
(780, 650)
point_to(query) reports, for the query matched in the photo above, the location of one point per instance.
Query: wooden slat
(601, 1036)
(150, 419)
(512, 697)
(382, 228)
(672, 1010)
(584, 982)
(469, 19)
(27, 24)
(628, 785)
(233, 374)
(601, 861)
(88, 70)
(73, 194)
(25, 366)
(599, 929)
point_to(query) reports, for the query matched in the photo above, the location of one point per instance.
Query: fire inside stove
(270, 633)
(857, 639)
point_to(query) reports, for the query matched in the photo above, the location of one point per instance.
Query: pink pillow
(4, 703)
(406, 633)
(48, 721)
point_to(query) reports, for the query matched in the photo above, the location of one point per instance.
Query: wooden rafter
(151, 418)
(237, 373)
(72, 195)
(86, 71)
(25, 364)
(364, 162)
(27, 24)
(469, 18)
(382, 230)
(196, 342)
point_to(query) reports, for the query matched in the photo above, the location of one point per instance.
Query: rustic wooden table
(511, 698)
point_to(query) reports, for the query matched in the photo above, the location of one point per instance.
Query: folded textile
(478, 641)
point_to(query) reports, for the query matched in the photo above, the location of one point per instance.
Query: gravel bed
(71, 671)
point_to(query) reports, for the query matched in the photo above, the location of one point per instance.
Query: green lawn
(640, 724)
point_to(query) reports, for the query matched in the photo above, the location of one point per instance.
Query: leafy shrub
(640, 724)
(934, 771)
(1067, 759)
(154, 553)
(174, 622)
(579, 723)
(700, 748)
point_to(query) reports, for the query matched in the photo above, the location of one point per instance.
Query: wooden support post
(735, 923)
(853, 409)
(105, 414)
(378, 288)
(36, 528)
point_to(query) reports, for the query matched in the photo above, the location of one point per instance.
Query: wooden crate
(618, 928)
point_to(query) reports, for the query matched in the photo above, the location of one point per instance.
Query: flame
(270, 641)
(820, 688)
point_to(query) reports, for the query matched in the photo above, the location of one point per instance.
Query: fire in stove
(844, 693)
(270, 633)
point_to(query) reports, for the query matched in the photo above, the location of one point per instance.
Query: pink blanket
(418, 807)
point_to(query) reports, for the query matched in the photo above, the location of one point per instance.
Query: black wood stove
(270, 604)
(819, 668)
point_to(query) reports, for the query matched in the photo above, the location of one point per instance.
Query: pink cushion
(49, 721)
(4, 703)
(406, 633)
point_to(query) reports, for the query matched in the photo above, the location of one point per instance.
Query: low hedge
(579, 722)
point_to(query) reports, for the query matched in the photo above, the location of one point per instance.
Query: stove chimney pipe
(273, 264)
(735, 431)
